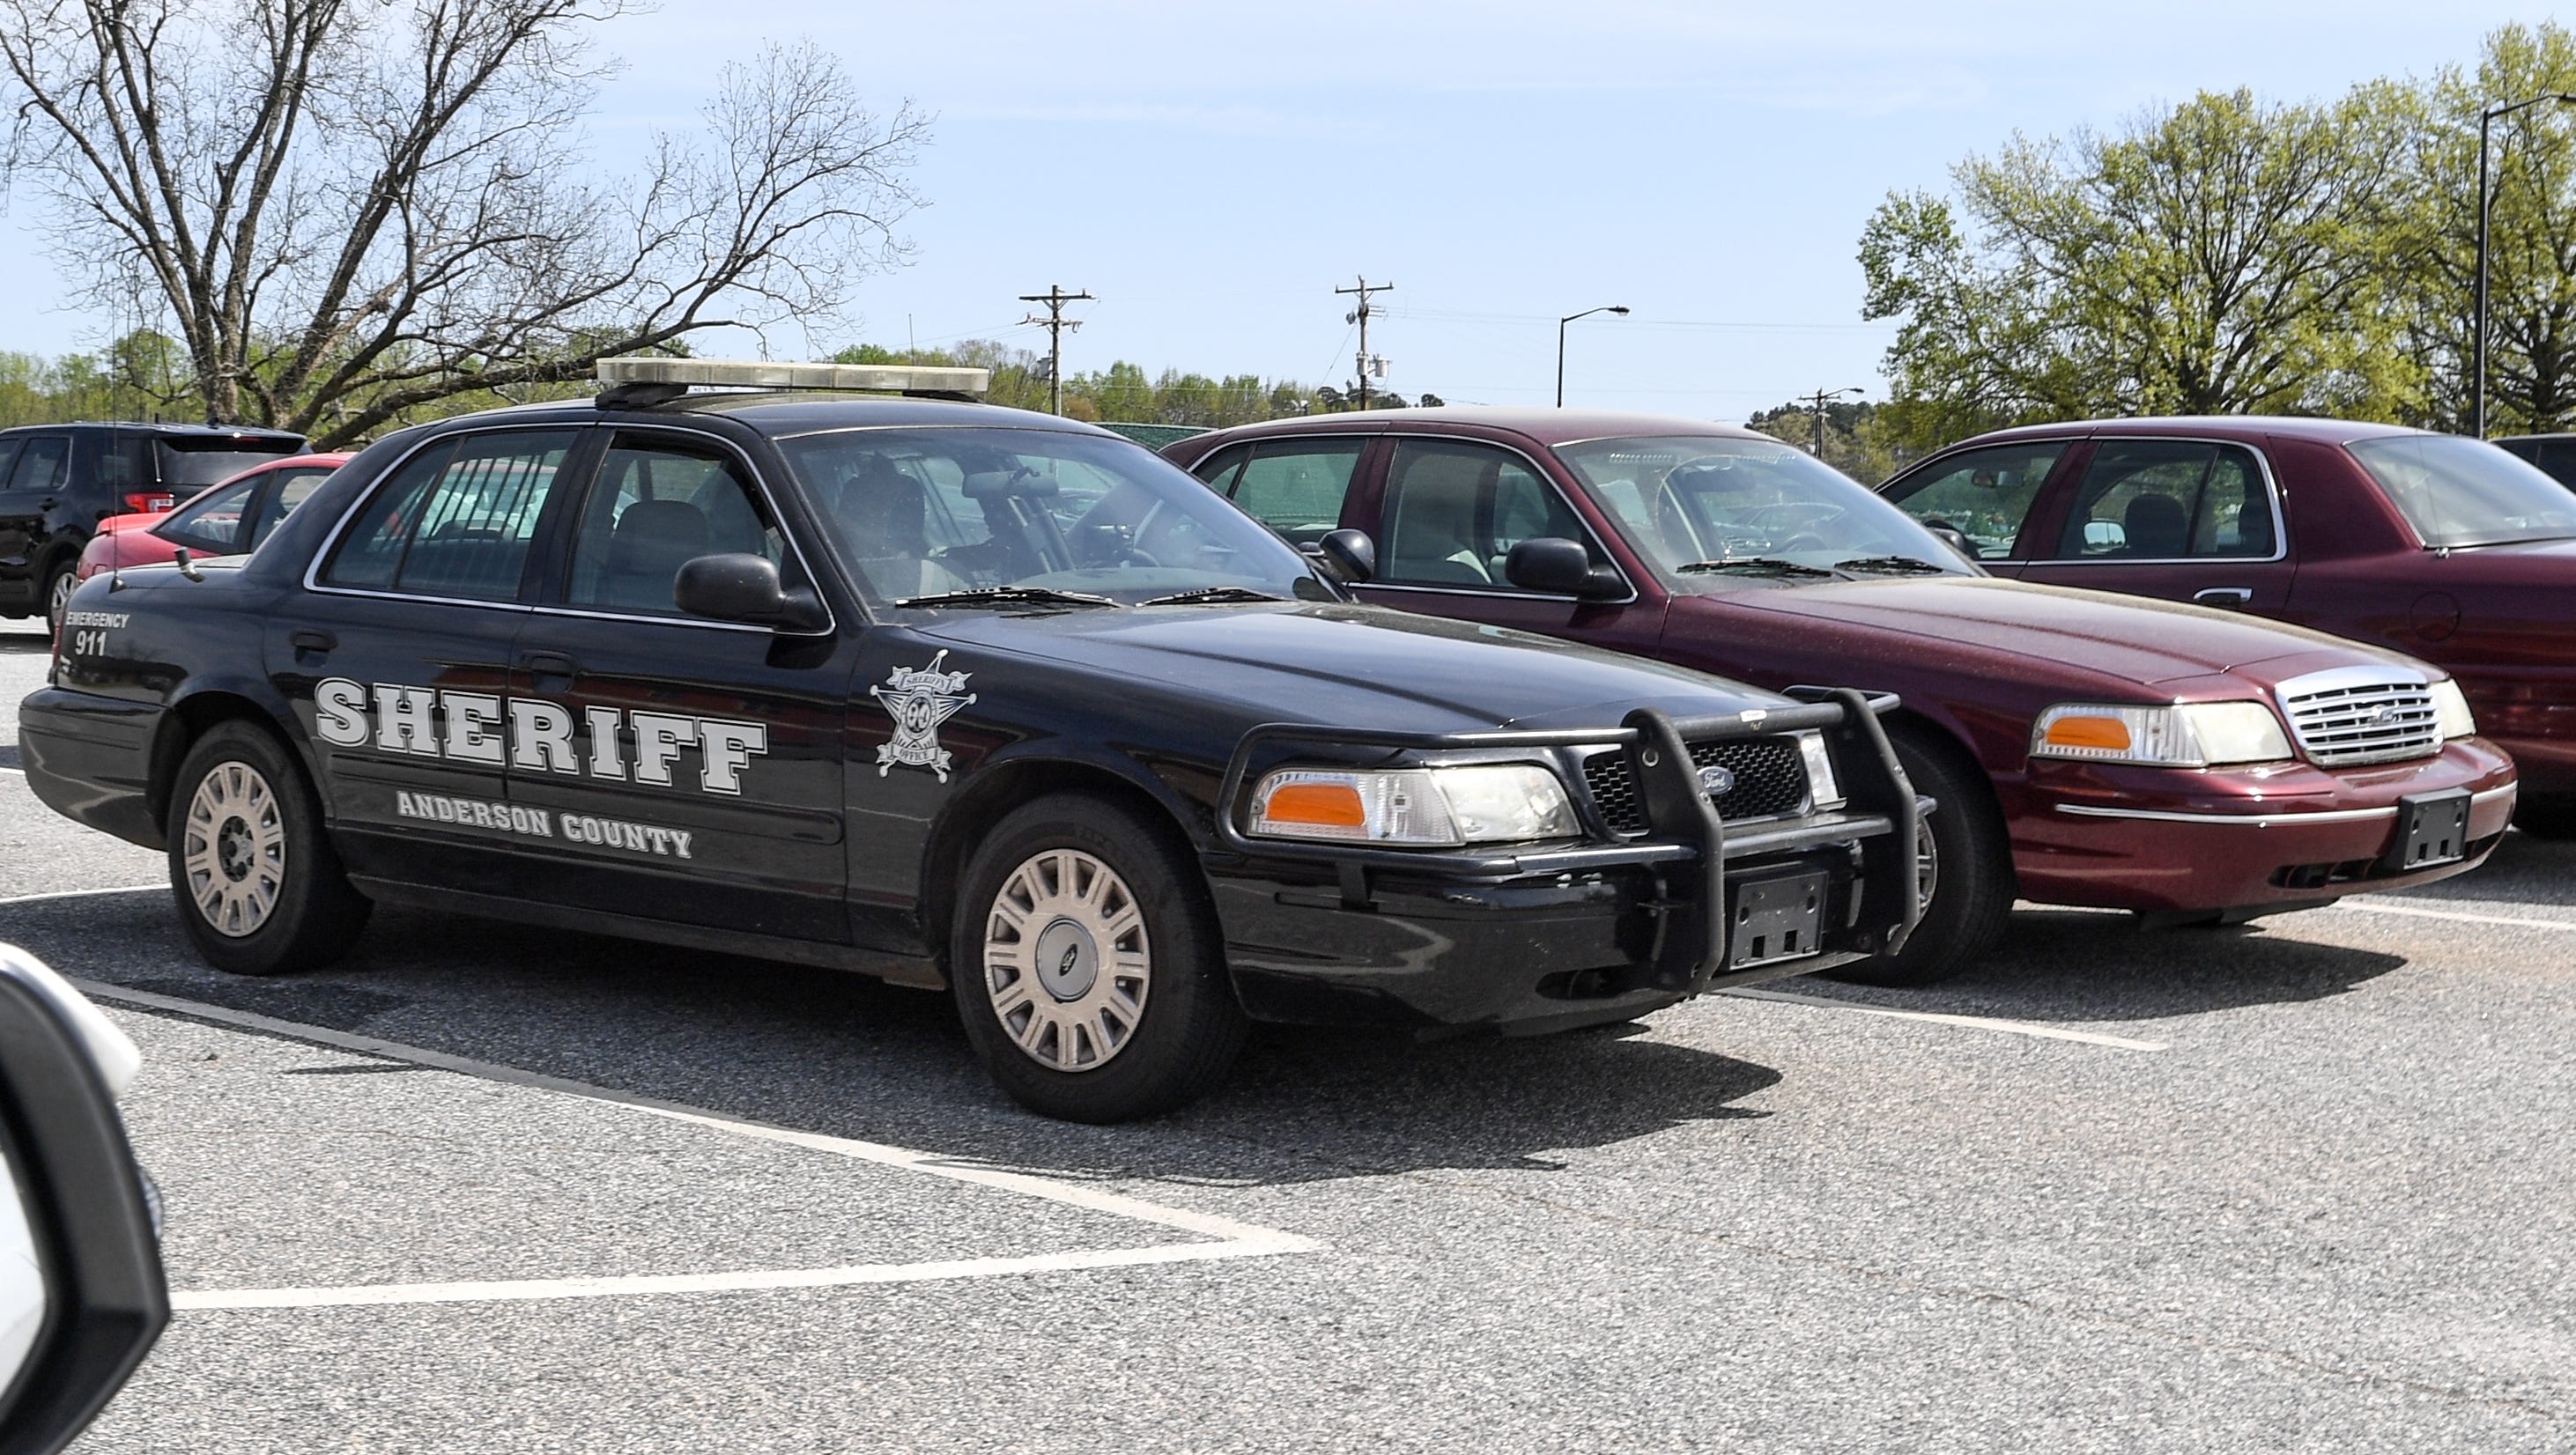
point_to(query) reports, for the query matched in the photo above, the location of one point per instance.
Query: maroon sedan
(2433, 545)
(2085, 749)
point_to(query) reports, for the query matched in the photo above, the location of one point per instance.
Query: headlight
(1821, 786)
(1432, 807)
(2451, 708)
(2192, 735)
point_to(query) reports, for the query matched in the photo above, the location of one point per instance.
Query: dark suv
(58, 481)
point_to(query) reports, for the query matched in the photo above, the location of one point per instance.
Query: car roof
(1544, 425)
(182, 431)
(2248, 427)
(780, 413)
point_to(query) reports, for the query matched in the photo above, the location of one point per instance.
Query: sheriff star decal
(919, 700)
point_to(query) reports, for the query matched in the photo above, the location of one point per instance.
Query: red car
(2437, 546)
(227, 518)
(2085, 749)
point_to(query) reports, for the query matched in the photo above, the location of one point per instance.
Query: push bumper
(2177, 842)
(1545, 939)
(89, 758)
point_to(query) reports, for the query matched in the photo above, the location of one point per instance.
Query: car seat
(652, 540)
(884, 518)
(1431, 537)
(2157, 526)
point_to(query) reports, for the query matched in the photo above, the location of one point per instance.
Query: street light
(1619, 309)
(2486, 205)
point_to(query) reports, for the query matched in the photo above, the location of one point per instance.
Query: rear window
(2465, 492)
(187, 461)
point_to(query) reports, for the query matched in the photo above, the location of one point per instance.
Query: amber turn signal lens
(1323, 805)
(2089, 732)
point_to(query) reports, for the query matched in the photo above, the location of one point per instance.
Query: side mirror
(745, 588)
(2105, 535)
(1352, 555)
(1560, 567)
(1951, 536)
(82, 1293)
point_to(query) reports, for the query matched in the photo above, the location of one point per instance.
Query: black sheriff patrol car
(954, 695)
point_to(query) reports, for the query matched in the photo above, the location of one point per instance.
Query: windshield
(2465, 492)
(927, 512)
(1709, 509)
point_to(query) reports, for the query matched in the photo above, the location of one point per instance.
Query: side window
(125, 464)
(1984, 494)
(1454, 511)
(213, 521)
(292, 490)
(2164, 500)
(1219, 469)
(456, 520)
(42, 463)
(658, 504)
(8, 457)
(1296, 488)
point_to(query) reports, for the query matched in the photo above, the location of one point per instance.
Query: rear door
(2186, 520)
(1448, 515)
(692, 768)
(397, 658)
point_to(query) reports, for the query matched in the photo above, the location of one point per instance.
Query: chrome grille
(2361, 715)
(1770, 780)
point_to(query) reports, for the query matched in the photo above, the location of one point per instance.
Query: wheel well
(1930, 736)
(192, 718)
(994, 794)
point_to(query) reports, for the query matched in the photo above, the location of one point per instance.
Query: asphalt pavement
(2305, 1185)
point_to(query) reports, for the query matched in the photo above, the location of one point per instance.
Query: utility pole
(1055, 298)
(1820, 399)
(1360, 316)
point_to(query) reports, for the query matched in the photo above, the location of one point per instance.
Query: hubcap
(1927, 867)
(234, 850)
(1066, 960)
(60, 598)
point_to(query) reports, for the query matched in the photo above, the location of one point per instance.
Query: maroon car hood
(2138, 639)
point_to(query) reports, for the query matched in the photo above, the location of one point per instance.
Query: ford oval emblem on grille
(1716, 780)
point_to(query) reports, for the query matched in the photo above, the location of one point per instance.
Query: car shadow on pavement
(2092, 965)
(825, 1051)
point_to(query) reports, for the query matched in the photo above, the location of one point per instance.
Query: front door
(1448, 517)
(34, 473)
(2187, 520)
(397, 661)
(691, 768)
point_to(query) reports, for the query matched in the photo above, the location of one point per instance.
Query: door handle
(549, 664)
(2223, 595)
(311, 640)
(47, 503)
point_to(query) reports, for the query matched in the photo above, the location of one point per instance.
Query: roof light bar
(766, 374)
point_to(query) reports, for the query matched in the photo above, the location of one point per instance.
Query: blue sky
(1213, 172)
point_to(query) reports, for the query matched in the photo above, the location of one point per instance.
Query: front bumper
(2182, 841)
(1555, 937)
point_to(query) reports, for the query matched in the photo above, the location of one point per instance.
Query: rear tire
(260, 888)
(2547, 815)
(57, 597)
(1970, 870)
(1088, 966)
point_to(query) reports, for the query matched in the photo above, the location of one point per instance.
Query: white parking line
(2461, 916)
(163, 887)
(1232, 1239)
(1974, 1022)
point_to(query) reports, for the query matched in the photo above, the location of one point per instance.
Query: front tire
(1967, 873)
(260, 888)
(1088, 966)
(2546, 815)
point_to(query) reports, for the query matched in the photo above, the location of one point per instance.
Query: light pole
(1616, 308)
(1823, 397)
(2486, 205)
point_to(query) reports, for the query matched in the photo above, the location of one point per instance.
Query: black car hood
(1350, 666)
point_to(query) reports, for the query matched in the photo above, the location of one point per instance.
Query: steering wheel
(1805, 540)
(1131, 555)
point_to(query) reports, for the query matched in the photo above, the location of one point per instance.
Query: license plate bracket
(2432, 830)
(1776, 917)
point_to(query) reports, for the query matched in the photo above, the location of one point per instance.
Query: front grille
(1770, 780)
(2357, 715)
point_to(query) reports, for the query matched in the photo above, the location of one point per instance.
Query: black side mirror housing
(745, 588)
(1352, 555)
(1954, 538)
(1561, 567)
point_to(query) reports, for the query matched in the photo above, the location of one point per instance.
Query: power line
(1055, 323)
(1360, 316)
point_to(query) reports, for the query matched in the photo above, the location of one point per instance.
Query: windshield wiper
(1209, 596)
(1890, 566)
(1754, 566)
(1008, 596)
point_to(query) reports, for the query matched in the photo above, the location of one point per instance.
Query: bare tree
(355, 208)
